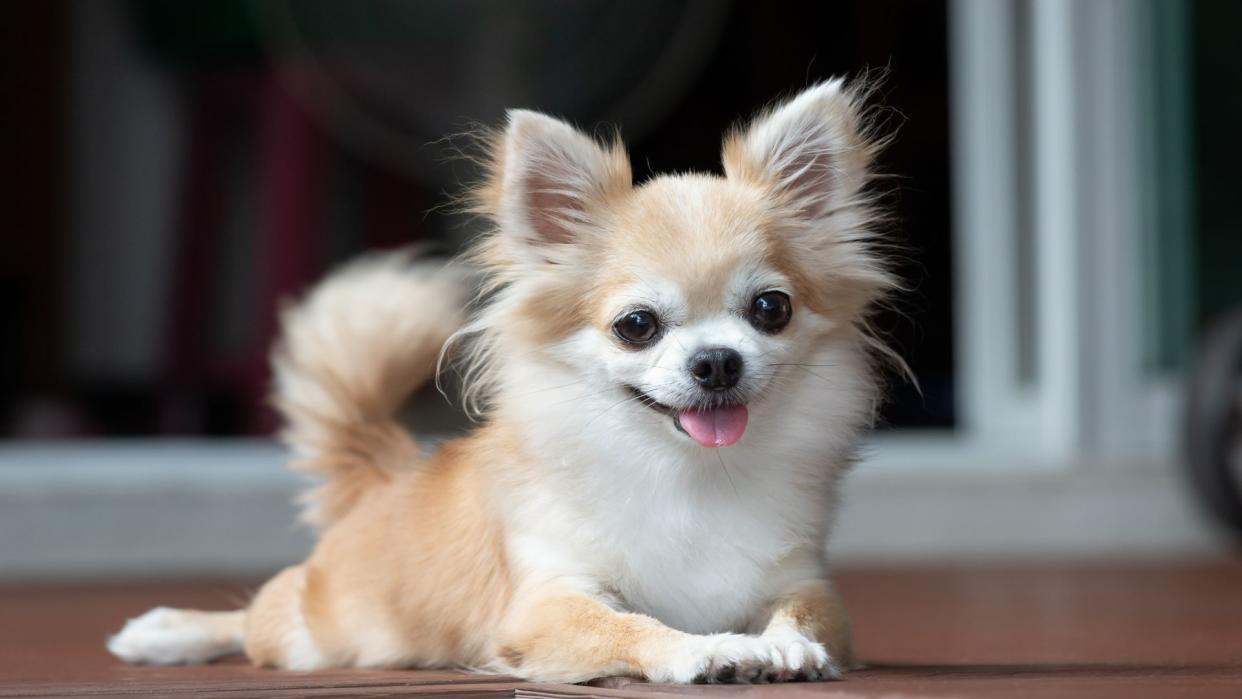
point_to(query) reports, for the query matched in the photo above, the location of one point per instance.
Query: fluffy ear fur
(548, 189)
(811, 150)
(549, 181)
(813, 154)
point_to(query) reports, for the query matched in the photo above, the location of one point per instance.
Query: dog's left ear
(810, 151)
(813, 155)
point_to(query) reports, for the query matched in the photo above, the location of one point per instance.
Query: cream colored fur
(578, 532)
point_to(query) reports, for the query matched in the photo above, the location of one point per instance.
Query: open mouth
(710, 426)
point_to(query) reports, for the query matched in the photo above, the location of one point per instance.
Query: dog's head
(694, 298)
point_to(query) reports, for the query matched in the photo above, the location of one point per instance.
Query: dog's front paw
(801, 659)
(730, 657)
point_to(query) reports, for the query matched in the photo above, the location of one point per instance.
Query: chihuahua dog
(674, 377)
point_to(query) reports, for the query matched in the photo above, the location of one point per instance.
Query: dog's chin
(700, 417)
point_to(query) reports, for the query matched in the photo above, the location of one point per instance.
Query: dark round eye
(771, 311)
(637, 327)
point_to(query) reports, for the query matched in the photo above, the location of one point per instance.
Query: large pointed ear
(811, 151)
(549, 181)
(813, 154)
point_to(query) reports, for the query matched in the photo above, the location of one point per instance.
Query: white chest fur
(693, 543)
(618, 501)
(702, 565)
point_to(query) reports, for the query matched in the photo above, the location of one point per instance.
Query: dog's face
(697, 308)
(692, 297)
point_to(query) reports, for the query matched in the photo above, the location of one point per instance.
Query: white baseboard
(224, 509)
(1085, 513)
(155, 508)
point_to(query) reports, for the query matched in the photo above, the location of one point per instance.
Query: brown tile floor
(1032, 631)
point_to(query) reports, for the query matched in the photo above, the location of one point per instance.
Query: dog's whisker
(584, 396)
(608, 409)
(728, 475)
(545, 389)
(818, 376)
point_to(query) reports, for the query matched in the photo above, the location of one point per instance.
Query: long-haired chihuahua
(673, 378)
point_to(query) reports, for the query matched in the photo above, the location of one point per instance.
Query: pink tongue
(718, 427)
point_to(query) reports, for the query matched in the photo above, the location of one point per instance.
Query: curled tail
(351, 352)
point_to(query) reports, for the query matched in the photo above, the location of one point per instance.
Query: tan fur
(573, 638)
(816, 611)
(369, 602)
(415, 566)
(274, 617)
(349, 355)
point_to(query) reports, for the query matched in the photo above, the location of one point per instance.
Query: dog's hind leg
(165, 636)
(276, 632)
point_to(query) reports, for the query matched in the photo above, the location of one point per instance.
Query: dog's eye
(770, 311)
(637, 327)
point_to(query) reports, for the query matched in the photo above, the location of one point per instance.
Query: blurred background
(1064, 187)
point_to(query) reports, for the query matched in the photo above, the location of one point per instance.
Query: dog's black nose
(716, 369)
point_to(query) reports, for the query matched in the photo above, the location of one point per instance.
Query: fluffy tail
(351, 353)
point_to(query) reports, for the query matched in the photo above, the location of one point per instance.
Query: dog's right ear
(548, 181)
